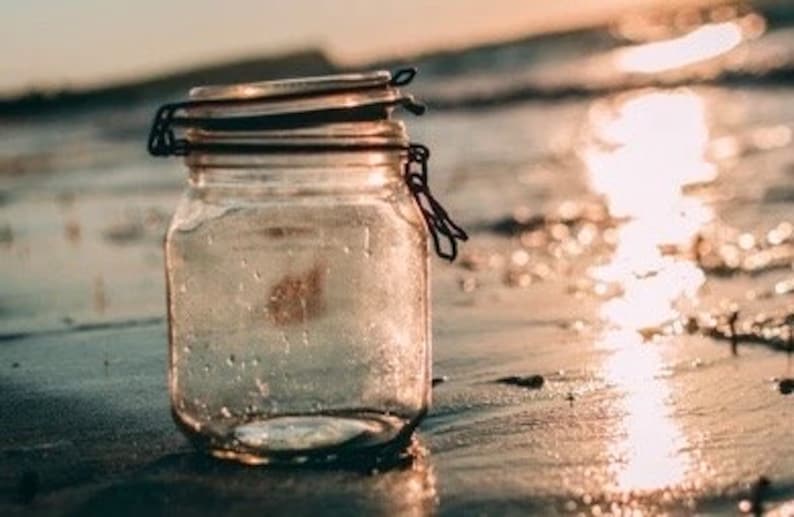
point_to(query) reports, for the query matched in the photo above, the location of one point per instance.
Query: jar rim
(375, 134)
(378, 128)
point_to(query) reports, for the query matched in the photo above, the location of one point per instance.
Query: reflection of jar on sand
(297, 267)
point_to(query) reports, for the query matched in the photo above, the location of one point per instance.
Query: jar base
(308, 438)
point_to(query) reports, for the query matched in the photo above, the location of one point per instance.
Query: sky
(78, 43)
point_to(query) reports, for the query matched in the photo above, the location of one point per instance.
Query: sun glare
(706, 42)
(645, 148)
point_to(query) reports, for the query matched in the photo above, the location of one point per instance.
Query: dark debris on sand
(439, 380)
(725, 251)
(754, 504)
(775, 331)
(533, 382)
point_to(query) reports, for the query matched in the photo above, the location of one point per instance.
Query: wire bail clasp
(162, 139)
(438, 221)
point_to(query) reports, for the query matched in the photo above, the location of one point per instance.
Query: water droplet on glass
(187, 349)
(262, 387)
(468, 284)
(257, 275)
(243, 263)
(367, 250)
(230, 360)
(183, 288)
(210, 240)
(255, 361)
(225, 413)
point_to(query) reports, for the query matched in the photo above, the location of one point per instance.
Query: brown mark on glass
(288, 231)
(297, 297)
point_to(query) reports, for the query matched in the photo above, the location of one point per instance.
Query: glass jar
(297, 270)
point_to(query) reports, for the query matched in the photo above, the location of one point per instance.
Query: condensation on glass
(297, 272)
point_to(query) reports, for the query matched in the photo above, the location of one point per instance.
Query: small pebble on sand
(786, 386)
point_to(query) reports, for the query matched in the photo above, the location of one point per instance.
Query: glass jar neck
(349, 157)
(315, 173)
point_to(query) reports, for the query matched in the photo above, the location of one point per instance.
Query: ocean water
(629, 192)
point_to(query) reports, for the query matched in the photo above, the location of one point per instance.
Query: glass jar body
(298, 309)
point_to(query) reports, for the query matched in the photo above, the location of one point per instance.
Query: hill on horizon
(294, 63)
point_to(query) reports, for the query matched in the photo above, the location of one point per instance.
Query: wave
(528, 92)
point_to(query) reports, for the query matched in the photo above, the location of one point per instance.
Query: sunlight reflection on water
(703, 43)
(648, 453)
(643, 151)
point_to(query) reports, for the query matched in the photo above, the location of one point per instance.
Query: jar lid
(283, 105)
(324, 84)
